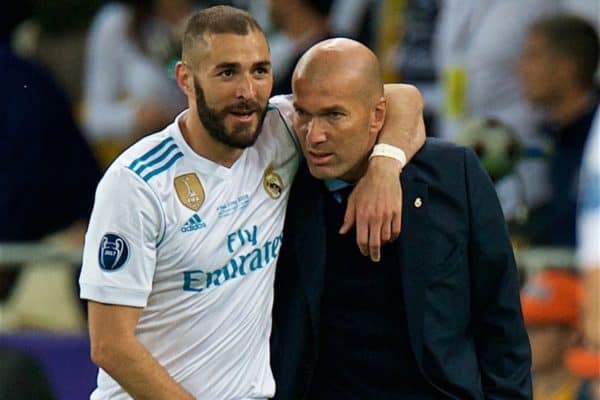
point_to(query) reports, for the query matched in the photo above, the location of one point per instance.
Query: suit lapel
(310, 239)
(412, 255)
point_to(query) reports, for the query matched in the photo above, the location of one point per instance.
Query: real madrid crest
(272, 183)
(189, 191)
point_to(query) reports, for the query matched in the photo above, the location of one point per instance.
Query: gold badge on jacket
(272, 183)
(189, 191)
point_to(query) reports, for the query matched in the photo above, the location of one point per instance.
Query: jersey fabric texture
(195, 244)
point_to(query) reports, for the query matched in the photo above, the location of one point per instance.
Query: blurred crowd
(517, 80)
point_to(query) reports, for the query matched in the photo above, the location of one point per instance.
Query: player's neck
(203, 144)
(571, 106)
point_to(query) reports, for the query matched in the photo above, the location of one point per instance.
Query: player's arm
(404, 127)
(375, 205)
(117, 288)
(117, 351)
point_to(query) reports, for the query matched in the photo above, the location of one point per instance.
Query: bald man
(439, 316)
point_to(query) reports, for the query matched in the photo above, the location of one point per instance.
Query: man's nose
(246, 88)
(315, 132)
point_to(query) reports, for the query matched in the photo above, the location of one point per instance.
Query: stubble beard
(214, 120)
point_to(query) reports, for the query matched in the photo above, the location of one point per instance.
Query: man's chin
(242, 140)
(320, 172)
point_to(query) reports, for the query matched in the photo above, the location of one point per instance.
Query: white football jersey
(195, 244)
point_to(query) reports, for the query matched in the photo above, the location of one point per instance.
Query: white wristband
(387, 150)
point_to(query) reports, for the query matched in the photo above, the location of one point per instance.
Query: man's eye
(226, 73)
(335, 115)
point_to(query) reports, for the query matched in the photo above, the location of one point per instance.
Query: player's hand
(375, 205)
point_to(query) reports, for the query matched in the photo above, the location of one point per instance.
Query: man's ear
(378, 115)
(184, 78)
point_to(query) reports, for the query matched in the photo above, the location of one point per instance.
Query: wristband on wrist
(387, 150)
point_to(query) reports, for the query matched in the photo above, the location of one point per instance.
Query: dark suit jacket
(459, 282)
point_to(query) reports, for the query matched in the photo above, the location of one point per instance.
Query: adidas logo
(193, 224)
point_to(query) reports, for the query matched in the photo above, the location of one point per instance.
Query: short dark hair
(323, 7)
(574, 37)
(217, 19)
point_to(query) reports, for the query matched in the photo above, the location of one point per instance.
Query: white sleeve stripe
(114, 295)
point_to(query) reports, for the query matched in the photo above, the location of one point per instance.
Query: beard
(213, 120)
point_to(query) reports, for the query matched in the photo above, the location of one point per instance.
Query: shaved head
(346, 59)
(339, 107)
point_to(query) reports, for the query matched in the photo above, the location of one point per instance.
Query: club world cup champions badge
(189, 191)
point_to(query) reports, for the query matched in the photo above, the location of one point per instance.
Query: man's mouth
(319, 158)
(243, 115)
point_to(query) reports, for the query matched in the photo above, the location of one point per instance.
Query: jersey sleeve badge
(113, 252)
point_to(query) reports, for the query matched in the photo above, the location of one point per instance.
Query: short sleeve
(119, 256)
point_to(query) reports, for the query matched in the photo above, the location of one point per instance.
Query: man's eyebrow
(296, 106)
(329, 109)
(262, 64)
(227, 65)
(237, 65)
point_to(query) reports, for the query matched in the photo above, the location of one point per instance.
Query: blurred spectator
(349, 18)
(55, 37)
(414, 57)
(586, 361)
(281, 46)
(584, 8)
(47, 172)
(476, 47)
(129, 88)
(551, 302)
(305, 22)
(557, 69)
(354, 19)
